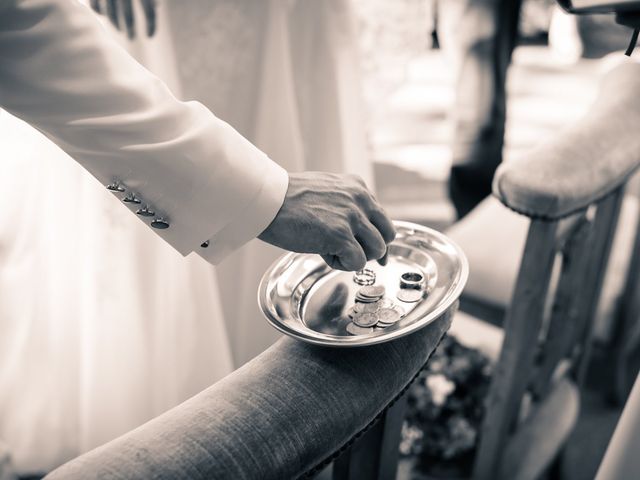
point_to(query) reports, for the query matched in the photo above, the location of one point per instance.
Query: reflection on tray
(304, 298)
(330, 315)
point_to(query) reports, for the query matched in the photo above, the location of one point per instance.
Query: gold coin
(354, 329)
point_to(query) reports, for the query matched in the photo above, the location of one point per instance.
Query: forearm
(61, 72)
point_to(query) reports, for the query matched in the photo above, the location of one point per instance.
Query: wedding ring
(365, 277)
(412, 280)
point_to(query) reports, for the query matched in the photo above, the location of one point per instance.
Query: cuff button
(145, 212)
(205, 244)
(115, 187)
(131, 198)
(160, 224)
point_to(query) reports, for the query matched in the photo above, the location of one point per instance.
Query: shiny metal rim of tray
(306, 299)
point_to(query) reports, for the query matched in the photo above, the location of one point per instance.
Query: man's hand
(113, 8)
(333, 215)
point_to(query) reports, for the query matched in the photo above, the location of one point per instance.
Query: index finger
(377, 216)
(383, 223)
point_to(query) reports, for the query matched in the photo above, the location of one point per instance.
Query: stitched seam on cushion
(346, 445)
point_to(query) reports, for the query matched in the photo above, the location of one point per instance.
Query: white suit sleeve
(184, 172)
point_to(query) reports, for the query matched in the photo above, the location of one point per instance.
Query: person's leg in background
(479, 37)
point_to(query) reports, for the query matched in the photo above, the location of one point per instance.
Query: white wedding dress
(285, 73)
(102, 325)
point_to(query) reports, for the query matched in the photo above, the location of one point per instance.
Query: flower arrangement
(445, 410)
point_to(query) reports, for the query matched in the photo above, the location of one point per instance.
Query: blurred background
(409, 91)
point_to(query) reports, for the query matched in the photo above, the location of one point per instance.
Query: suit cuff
(253, 220)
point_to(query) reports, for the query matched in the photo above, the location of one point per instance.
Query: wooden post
(627, 334)
(522, 327)
(561, 335)
(603, 231)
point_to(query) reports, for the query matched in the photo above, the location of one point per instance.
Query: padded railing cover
(584, 163)
(276, 418)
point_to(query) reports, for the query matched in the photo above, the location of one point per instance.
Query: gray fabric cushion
(275, 418)
(583, 163)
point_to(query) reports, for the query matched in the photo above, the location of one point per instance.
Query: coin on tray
(387, 316)
(362, 299)
(368, 307)
(366, 320)
(354, 329)
(409, 295)
(383, 325)
(369, 294)
(372, 291)
(385, 303)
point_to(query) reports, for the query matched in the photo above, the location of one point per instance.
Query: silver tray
(306, 299)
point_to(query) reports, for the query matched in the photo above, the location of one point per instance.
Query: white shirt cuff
(254, 219)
